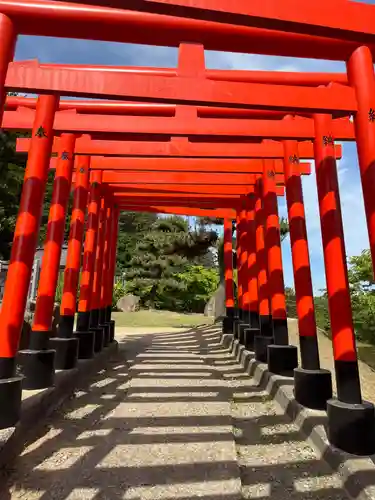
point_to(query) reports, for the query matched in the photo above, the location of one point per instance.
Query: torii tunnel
(194, 141)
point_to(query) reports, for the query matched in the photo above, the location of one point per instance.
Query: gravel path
(156, 426)
(275, 460)
(174, 417)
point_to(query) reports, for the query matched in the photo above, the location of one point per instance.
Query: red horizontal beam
(216, 189)
(62, 19)
(180, 178)
(304, 79)
(139, 109)
(344, 19)
(30, 77)
(220, 213)
(153, 194)
(184, 169)
(219, 168)
(178, 147)
(301, 129)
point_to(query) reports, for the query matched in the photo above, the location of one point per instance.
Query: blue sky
(89, 52)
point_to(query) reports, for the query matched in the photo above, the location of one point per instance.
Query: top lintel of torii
(189, 87)
(323, 29)
(341, 19)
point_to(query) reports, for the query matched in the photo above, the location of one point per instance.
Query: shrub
(119, 291)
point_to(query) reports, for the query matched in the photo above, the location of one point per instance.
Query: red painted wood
(177, 147)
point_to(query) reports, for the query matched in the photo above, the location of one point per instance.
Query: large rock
(215, 307)
(128, 303)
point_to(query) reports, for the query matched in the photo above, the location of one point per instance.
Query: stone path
(174, 417)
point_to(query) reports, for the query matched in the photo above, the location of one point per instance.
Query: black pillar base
(10, 401)
(98, 339)
(112, 324)
(228, 325)
(66, 352)
(261, 344)
(250, 334)
(66, 324)
(236, 322)
(106, 333)
(241, 332)
(85, 344)
(351, 427)
(282, 359)
(312, 388)
(83, 321)
(38, 368)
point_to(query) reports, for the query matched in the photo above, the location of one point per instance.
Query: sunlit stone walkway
(173, 417)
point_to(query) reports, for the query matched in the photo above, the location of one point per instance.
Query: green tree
(322, 312)
(284, 228)
(361, 281)
(199, 283)
(160, 256)
(284, 231)
(360, 272)
(12, 169)
(132, 227)
(290, 299)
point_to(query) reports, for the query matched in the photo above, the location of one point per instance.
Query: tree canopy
(12, 168)
(160, 258)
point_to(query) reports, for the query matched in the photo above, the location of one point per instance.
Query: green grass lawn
(150, 318)
(366, 353)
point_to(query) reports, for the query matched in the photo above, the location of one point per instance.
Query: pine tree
(12, 169)
(163, 253)
(132, 227)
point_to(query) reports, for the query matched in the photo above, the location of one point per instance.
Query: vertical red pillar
(282, 358)
(105, 275)
(300, 258)
(242, 275)
(43, 318)
(8, 39)
(273, 250)
(22, 255)
(74, 253)
(238, 266)
(252, 274)
(350, 421)
(228, 277)
(244, 263)
(54, 239)
(261, 256)
(85, 335)
(265, 338)
(312, 386)
(252, 270)
(112, 269)
(98, 273)
(360, 68)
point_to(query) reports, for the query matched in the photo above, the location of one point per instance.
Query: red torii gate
(261, 353)
(179, 177)
(177, 164)
(263, 344)
(360, 103)
(182, 163)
